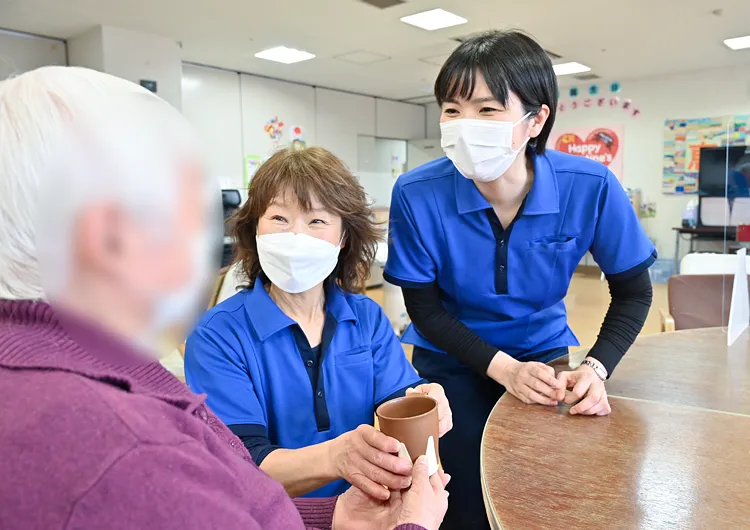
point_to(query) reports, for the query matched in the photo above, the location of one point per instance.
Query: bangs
(458, 77)
(308, 182)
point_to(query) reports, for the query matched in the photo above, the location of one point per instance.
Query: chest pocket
(550, 262)
(354, 375)
(355, 356)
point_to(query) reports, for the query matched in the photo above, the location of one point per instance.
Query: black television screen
(724, 172)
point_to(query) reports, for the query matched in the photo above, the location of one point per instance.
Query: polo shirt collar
(468, 197)
(543, 197)
(267, 318)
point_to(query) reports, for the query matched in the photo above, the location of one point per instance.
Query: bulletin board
(683, 139)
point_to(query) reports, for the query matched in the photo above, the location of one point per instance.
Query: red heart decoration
(600, 145)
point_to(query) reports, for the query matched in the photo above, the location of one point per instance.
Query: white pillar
(139, 57)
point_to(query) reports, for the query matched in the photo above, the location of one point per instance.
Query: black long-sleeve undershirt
(631, 300)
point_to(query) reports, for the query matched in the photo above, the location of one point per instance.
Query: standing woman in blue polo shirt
(296, 363)
(484, 244)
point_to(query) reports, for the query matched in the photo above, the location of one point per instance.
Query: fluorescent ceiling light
(570, 68)
(282, 54)
(434, 19)
(738, 43)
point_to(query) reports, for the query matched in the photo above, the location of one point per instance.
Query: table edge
(492, 516)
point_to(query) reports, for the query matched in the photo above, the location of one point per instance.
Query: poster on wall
(299, 139)
(683, 139)
(603, 144)
(252, 163)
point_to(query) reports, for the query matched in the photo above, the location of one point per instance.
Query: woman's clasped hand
(536, 383)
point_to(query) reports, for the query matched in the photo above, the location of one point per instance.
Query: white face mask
(296, 262)
(481, 150)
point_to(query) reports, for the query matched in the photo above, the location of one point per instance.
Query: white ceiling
(618, 40)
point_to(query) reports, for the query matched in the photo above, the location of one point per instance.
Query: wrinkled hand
(587, 392)
(533, 382)
(424, 504)
(436, 392)
(365, 458)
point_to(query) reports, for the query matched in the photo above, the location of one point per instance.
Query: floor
(587, 303)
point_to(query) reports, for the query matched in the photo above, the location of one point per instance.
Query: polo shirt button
(502, 243)
(320, 394)
(310, 363)
(501, 268)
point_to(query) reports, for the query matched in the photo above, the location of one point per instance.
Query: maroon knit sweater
(95, 435)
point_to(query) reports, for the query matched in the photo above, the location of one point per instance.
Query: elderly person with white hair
(104, 246)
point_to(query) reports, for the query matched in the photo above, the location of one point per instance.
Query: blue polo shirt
(507, 284)
(258, 369)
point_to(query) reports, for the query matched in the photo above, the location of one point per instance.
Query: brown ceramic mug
(411, 420)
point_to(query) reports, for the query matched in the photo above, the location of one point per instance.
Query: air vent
(362, 57)
(588, 76)
(384, 4)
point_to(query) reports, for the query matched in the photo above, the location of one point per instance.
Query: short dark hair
(510, 61)
(309, 173)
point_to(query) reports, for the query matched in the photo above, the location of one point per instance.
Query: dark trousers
(471, 398)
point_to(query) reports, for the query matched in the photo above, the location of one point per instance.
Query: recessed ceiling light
(434, 19)
(738, 43)
(570, 68)
(282, 54)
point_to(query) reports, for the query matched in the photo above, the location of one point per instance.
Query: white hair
(69, 136)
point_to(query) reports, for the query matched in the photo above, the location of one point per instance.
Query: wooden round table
(674, 453)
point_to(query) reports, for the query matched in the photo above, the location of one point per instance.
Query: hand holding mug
(366, 458)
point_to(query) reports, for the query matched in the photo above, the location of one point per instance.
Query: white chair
(704, 263)
(229, 284)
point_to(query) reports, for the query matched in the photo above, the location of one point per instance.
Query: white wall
(381, 162)
(132, 55)
(707, 93)
(211, 101)
(433, 120)
(231, 111)
(87, 49)
(21, 53)
(399, 120)
(263, 99)
(340, 119)
(135, 55)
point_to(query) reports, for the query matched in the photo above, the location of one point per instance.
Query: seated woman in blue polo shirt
(484, 244)
(296, 363)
